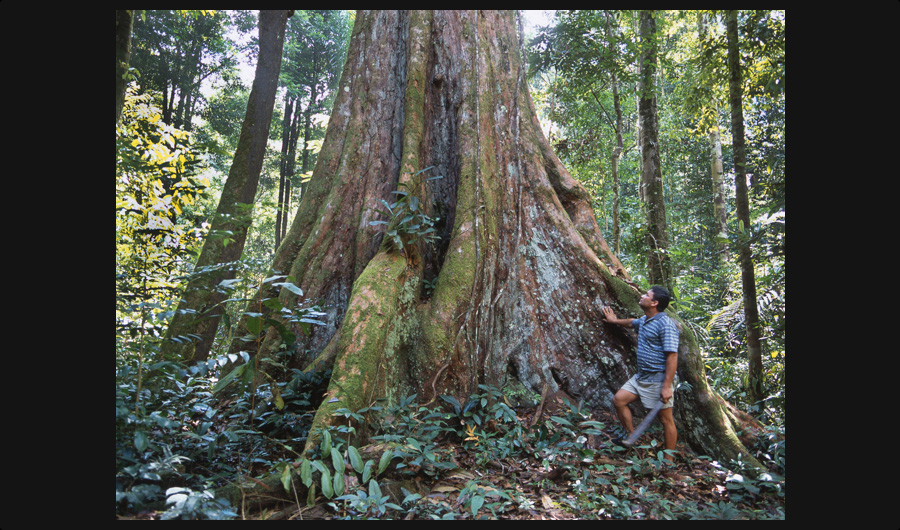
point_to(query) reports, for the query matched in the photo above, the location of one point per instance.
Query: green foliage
(174, 50)
(168, 423)
(314, 55)
(268, 313)
(189, 504)
(157, 182)
(368, 500)
(154, 437)
(168, 447)
(476, 496)
(409, 223)
(180, 435)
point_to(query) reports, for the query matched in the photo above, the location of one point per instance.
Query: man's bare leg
(621, 401)
(670, 433)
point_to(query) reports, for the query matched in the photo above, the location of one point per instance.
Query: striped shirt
(656, 336)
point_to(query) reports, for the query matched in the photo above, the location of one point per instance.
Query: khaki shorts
(648, 392)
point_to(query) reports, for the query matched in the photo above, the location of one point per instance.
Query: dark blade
(635, 434)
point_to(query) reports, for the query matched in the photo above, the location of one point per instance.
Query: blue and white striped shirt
(655, 337)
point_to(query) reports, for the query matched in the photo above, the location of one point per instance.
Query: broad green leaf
(355, 459)
(327, 484)
(561, 421)
(337, 461)
(367, 471)
(286, 477)
(225, 381)
(254, 325)
(140, 440)
(226, 284)
(290, 287)
(273, 303)
(385, 461)
(306, 473)
(374, 490)
(452, 400)
(339, 484)
(326, 443)
(320, 466)
(477, 503)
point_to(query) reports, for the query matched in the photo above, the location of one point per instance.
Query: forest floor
(613, 483)
(558, 469)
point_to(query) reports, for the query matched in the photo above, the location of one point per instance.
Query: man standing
(657, 359)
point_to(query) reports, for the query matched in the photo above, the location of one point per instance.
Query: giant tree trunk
(193, 327)
(520, 271)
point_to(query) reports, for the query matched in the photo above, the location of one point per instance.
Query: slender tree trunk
(520, 270)
(720, 213)
(748, 279)
(192, 329)
(617, 155)
(124, 23)
(291, 167)
(612, 37)
(283, 182)
(290, 137)
(718, 180)
(651, 171)
(307, 131)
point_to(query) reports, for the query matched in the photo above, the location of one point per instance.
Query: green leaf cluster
(158, 182)
(409, 222)
(333, 479)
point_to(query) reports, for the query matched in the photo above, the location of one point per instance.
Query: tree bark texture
(201, 309)
(512, 290)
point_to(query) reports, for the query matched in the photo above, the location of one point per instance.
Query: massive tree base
(512, 288)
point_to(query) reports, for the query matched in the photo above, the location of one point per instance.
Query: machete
(635, 434)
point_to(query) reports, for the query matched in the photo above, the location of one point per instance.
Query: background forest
(185, 433)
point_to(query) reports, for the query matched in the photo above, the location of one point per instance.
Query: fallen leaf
(547, 502)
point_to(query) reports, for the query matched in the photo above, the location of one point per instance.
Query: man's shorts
(648, 392)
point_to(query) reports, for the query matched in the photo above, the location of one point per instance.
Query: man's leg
(670, 433)
(621, 401)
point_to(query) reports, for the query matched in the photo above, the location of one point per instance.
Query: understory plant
(409, 222)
